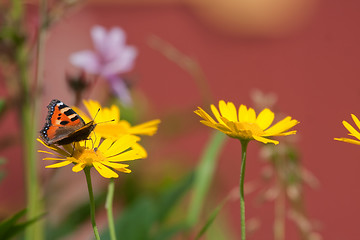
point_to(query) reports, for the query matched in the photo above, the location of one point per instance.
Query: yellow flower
(352, 130)
(105, 156)
(117, 128)
(244, 125)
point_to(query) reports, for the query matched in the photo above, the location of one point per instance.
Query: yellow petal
(243, 113)
(351, 130)
(232, 125)
(56, 159)
(60, 164)
(286, 133)
(124, 170)
(140, 150)
(228, 111)
(105, 171)
(114, 165)
(111, 113)
(280, 127)
(78, 167)
(209, 124)
(124, 143)
(92, 107)
(54, 148)
(356, 120)
(216, 114)
(126, 156)
(265, 118)
(251, 115)
(105, 145)
(204, 115)
(111, 131)
(348, 140)
(265, 140)
(148, 128)
(51, 153)
(222, 127)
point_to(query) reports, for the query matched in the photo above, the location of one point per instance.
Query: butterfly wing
(61, 122)
(78, 135)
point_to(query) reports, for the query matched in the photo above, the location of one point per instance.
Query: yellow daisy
(104, 157)
(352, 131)
(244, 125)
(117, 128)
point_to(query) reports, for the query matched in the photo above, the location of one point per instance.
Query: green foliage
(10, 227)
(73, 221)
(170, 197)
(211, 218)
(204, 175)
(2, 173)
(144, 218)
(2, 106)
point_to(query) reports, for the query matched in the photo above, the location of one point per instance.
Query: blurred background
(301, 53)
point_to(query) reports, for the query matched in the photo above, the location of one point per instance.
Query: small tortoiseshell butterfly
(63, 125)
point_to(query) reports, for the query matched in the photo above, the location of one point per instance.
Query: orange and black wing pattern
(63, 125)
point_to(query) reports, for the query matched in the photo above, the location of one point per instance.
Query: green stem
(32, 185)
(108, 206)
(92, 202)
(242, 178)
(34, 205)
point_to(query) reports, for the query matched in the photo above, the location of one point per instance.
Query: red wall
(315, 74)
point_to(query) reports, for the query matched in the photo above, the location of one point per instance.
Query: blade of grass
(170, 197)
(204, 175)
(10, 227)
(212, 217)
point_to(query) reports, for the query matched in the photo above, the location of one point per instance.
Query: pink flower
(110, 58)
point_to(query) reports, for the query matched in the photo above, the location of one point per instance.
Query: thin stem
(108, 206)
(29, 134)
(279, 222)
(92, 203)
(242, 178)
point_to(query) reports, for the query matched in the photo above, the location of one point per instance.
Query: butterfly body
(63, 125)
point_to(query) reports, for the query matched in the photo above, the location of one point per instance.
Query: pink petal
(115, 43)
(120, 89)
(108, 44)
(123, 63)
(98, 35)
(87, 60)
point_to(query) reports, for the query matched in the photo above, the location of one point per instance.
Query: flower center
(88, 156)
(253, 127)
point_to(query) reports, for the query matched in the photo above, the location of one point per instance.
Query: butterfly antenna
(112, 120)
(96, 114)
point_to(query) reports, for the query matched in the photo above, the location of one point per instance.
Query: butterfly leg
(73, 145)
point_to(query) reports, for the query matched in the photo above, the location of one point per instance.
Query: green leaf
(72, 222)
(135, 221)
(169, 198)
(211, 218)
(2, 105)
(142, 219)
(204, 175)
(10, 227)
(2, 173)
(169, 232)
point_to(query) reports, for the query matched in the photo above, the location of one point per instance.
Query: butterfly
(63, 125)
